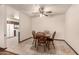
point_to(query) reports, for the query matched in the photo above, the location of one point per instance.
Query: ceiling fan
(43, 12)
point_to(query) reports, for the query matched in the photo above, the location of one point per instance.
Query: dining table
(45, 35)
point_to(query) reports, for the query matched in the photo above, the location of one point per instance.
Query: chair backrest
(42, 39)
(53, 36)
(34, 34)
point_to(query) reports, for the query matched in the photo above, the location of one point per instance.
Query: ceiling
(32, 9)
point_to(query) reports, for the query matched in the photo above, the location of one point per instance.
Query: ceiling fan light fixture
(41, 15)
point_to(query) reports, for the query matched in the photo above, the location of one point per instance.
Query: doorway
(12, 33)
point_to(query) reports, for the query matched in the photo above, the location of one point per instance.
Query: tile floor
(27, 48)
(4, 52)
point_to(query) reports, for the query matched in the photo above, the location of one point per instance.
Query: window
(10, 30)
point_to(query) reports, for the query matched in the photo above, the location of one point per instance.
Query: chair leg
(48, 44)
(37, 46)
(44, 48)
(35, 43)
(53, 44)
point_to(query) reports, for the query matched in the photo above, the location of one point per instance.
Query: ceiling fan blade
(48, 11)
(45, 14)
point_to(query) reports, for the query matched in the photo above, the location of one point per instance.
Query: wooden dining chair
(53, 36)
(34, 38)
(51, 40)
(42, 41)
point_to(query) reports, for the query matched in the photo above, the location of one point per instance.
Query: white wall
(12, 12)
(2, 26)
(53, 23)
(9, 13)
(25, 26)
(72, 27)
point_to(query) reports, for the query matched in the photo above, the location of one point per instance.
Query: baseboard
(71, 47)
(59, 39)
(25, 39)
(68, 45)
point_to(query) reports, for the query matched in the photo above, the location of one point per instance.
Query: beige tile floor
(27, 48)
